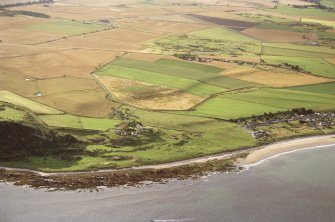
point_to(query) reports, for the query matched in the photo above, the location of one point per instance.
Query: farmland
(147, 82)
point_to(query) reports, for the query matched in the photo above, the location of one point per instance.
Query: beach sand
(285, 146)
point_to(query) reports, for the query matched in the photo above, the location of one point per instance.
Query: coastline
(161, 173)
(286, 146)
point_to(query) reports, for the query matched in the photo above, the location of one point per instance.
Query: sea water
(298, 186)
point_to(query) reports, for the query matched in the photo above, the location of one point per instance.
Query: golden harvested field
(20, 36)
(116, 39)
(84, 103)
(14, 50)
(278, 35)
(163, 26)
(274, 77)
(16, 83)
(149, 96)
(65, 83)
(76, 62)
(331, 60)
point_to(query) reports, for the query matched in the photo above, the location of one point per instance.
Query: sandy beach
(270, 150)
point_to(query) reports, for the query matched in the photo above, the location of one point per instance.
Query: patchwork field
(146, 82)
(149, 96)
(275, 77)
(231, 106)
(326, 88)
(316, 66)
(116, 39)
(223, 34)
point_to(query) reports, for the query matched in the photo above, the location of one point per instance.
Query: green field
(325, 88)
(8, 113)
(204, 73)
(307, 48)
(76, 122)
(9, 97)
(222, 34)
(66, 27)
(288, 10)
(189, 85)
(232, 106)
(316, 66)
(275, 51)
(328, 3)
(318, 21)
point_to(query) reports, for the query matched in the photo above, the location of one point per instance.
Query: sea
(297, 186)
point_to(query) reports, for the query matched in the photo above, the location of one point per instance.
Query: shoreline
(253, 155)
(162, 173)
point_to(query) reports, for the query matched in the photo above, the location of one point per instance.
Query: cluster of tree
(10, 13)
(20, 141)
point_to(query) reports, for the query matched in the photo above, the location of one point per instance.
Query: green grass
(318, 21)
(76, 122)
(9, 97)
(328, 3)
(63, 121)
(232, 106)
(189, 66)
(98, 123)
(228, 108)
(327, 35)
(189, 85)
(274, 51)
(189, 70)
(66, 27)
(316, 66)
(286, 99)
(288, 10)
(12, 114)
(325, 88)
(164, 149)
(319, 49)
(181, 121)
(222, 34)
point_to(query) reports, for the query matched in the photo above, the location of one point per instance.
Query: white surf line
(248, 166)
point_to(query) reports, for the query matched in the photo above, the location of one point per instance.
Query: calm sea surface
(295, 187)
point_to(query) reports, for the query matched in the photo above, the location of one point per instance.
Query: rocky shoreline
(117, 178)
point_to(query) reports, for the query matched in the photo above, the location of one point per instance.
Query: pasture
(148, 96)
(316, 66)
(325, 88)
(79, 122)
(188, 85)
(257, 102)
(223, 34)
